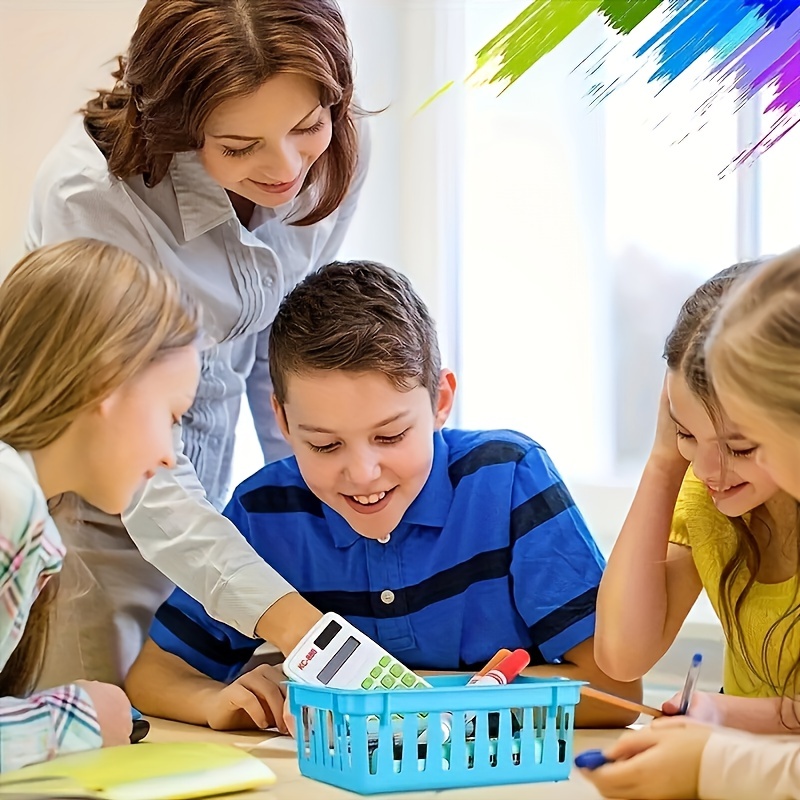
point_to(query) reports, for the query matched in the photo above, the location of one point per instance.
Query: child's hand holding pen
(699, 706)
(660, 761)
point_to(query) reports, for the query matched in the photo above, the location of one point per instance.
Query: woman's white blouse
(239, 276)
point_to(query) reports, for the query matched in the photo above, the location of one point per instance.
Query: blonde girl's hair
(753, 349)
(77, 320)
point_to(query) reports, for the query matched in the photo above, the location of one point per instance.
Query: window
(584, 230)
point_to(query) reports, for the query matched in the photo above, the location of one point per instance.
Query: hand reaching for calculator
(254, 699)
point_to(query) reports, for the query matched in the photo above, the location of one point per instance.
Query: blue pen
(691, 682)
(591, 759)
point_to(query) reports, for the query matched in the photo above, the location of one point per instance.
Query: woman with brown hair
(229, 153)
(98, 356)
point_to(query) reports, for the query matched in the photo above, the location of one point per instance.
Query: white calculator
(334, 653)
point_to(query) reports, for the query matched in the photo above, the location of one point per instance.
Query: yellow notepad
(146, 771)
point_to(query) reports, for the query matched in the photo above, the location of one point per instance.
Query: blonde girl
(753, 361)
(97, 363)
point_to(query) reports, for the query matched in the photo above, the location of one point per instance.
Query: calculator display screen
(336, 663)
(327, 636)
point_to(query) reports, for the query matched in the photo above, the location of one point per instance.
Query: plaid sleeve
(55, 722)
(30, 548)
(555, 564)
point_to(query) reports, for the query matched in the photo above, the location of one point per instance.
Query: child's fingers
(671, 723)
(635, 775)
(631, 744)
(613, 780)
(672, 706)
(239, 696)
(275, 675)
(269, 694)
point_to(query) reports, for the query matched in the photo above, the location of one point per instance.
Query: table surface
(280, 754)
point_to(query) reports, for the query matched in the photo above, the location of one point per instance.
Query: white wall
(52, 54)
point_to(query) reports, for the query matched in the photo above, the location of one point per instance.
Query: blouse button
(387, 597)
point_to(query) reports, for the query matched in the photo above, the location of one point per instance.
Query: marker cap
(511, 666)
(590, 759)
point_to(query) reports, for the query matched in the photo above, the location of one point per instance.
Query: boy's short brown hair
(357, 316)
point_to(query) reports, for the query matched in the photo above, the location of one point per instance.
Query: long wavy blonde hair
(77, 320)
(753, 352)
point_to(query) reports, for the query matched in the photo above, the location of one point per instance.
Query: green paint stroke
(536, 31)
(435, 96)
(625, 15)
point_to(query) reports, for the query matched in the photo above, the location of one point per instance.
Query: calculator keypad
(390, 674)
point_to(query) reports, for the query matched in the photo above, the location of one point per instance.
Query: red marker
(505, 672)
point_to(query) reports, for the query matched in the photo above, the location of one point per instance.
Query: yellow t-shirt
(711, 536)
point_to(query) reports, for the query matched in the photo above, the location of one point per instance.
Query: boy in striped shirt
(442, 545)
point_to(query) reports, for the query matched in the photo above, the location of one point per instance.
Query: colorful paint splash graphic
(746, 46)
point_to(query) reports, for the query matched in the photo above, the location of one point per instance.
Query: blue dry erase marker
(140, 728)
(591, 759)
(691, 682)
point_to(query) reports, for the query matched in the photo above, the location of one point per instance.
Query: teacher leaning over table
(227, 152)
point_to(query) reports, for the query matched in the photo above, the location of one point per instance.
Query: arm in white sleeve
(178, 531)
(743, 767)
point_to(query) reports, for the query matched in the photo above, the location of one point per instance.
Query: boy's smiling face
(363, 446)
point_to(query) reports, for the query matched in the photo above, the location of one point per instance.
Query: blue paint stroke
(760, 56)
(703, 24)
(774, 12)
(741, 33)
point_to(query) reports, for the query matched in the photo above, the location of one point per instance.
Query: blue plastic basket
(367, 742)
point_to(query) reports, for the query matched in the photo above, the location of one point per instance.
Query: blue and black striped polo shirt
(492, 553)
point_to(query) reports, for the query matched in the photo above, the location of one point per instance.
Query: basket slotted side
(333, 734)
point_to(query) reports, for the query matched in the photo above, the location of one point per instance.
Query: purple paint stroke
(787, 85)
(787, 100)
(775, 70)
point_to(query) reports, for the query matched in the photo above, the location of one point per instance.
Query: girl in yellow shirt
(753, 350)
(722, 525)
